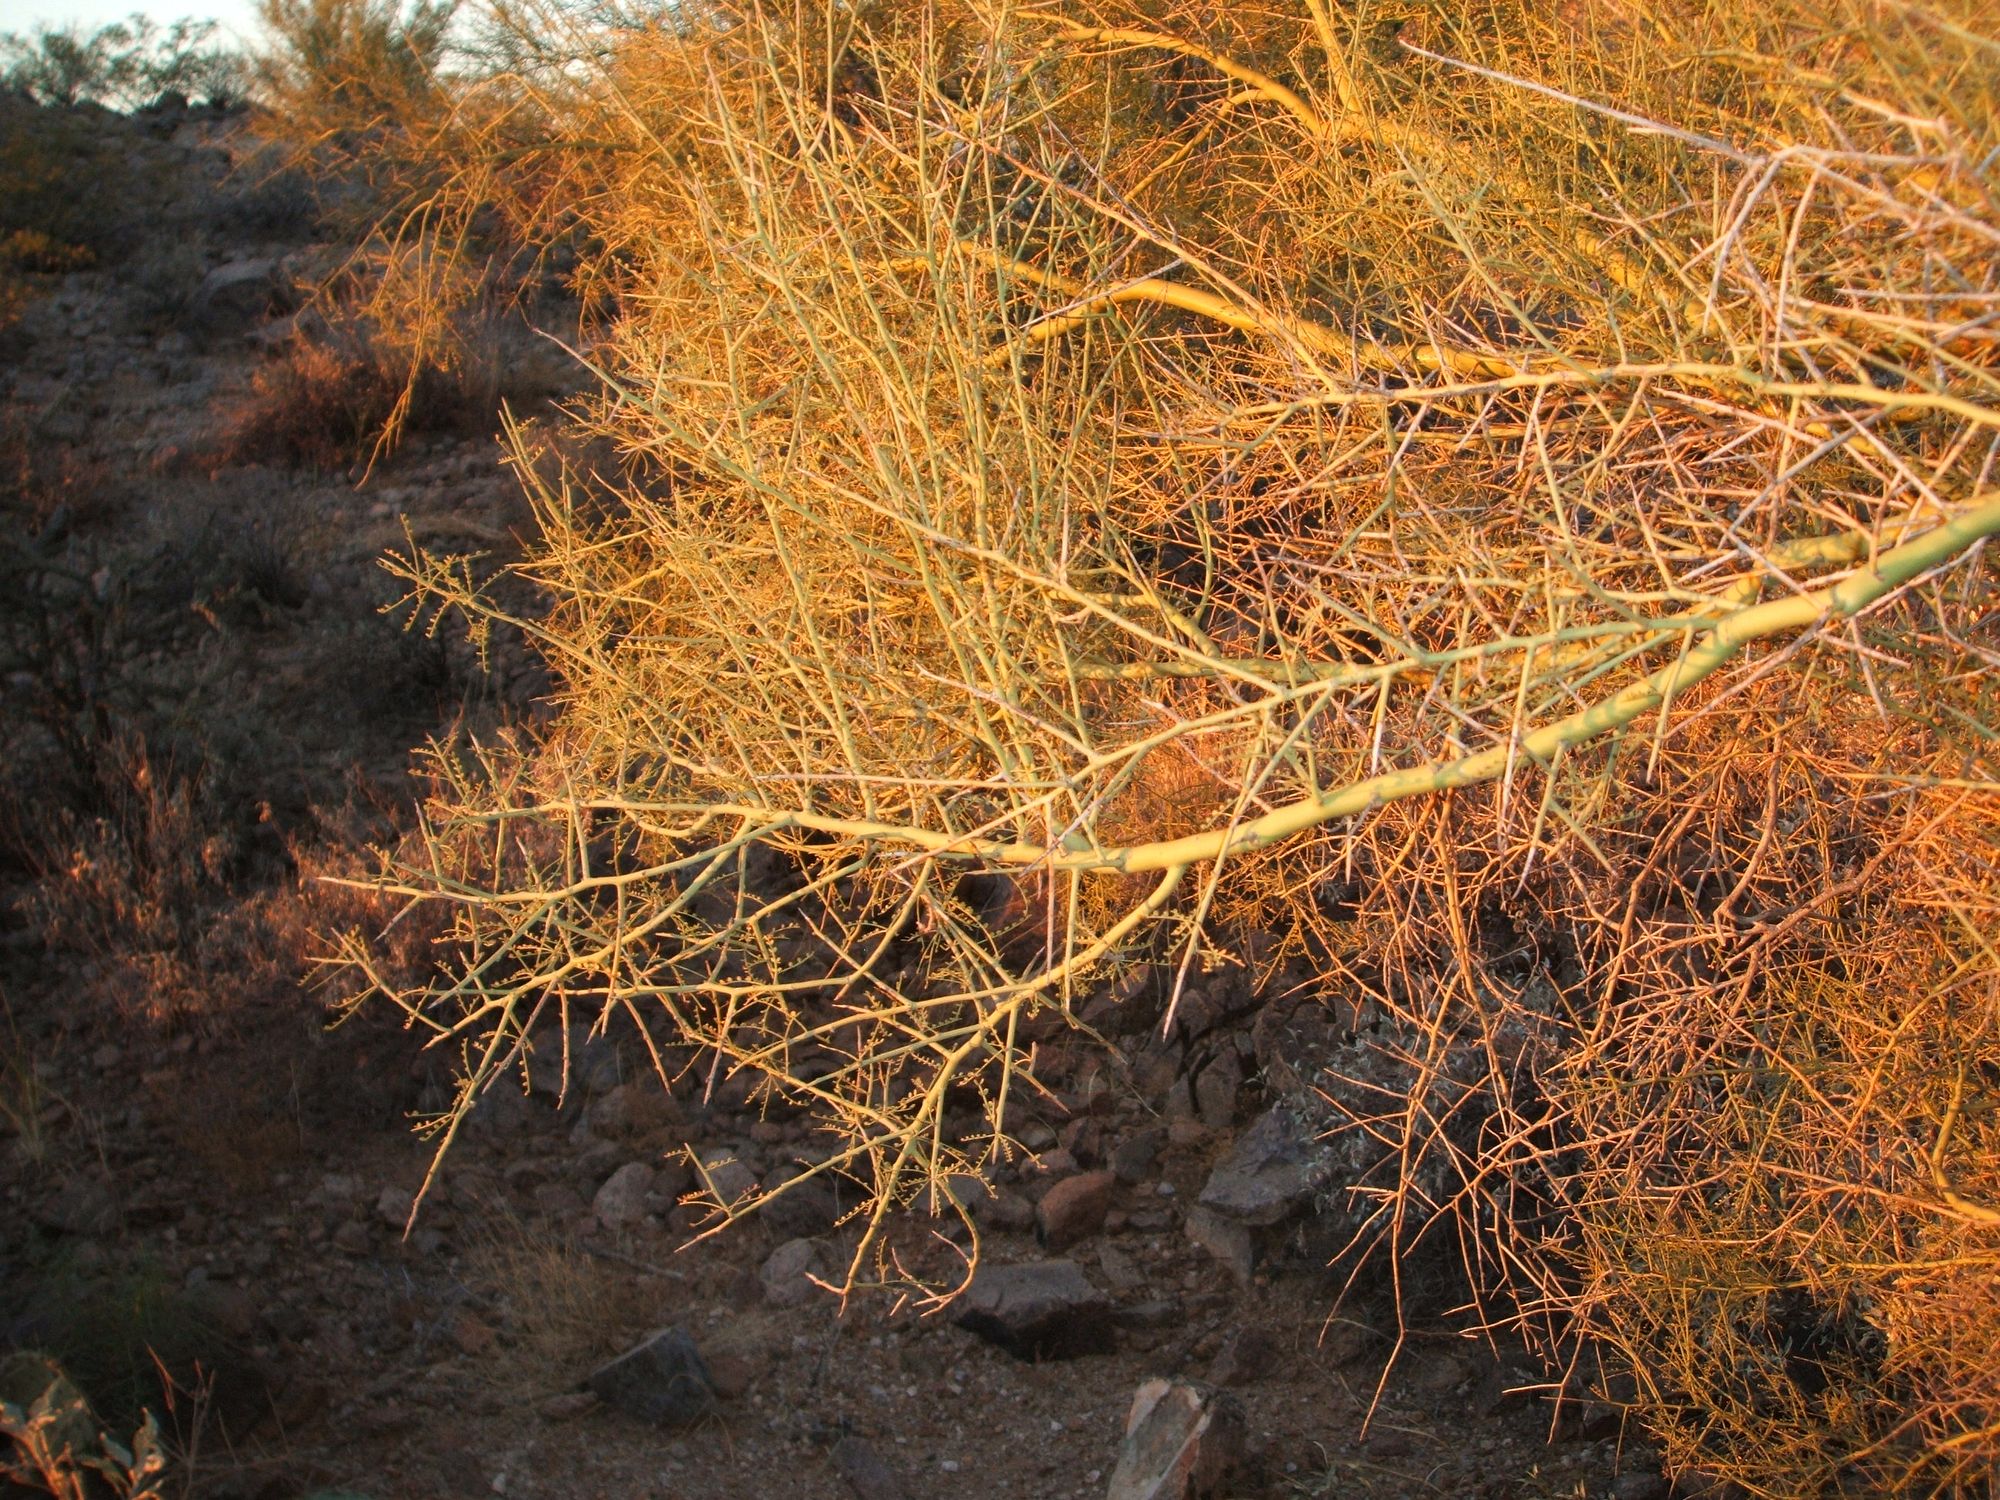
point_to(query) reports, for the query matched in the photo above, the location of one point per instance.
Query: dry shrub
(71, 175)
(352, 382)
(37, 250)
(320, 404)
(1497, 506)
(58, 1445)
(562, 1310)
(135, 867)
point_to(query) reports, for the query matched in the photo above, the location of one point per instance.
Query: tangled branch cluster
(1497, 508)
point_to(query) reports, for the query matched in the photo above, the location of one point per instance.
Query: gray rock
(661, 1379)
(1216, 1091)
(234, 297)
(786, 1274)
(862, 1467)
(1074, 1209)
(621, 1202)
(81, 1205)
(1225, 1239)
(1039, 1310)
(1274, 1167)
(1134, 1158)
(728, 1178)
(1182, 1442)
(393, 1206)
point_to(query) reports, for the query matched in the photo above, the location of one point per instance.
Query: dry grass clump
(1496, 502)
(319, 404)
(341, 391)
(561, 1310)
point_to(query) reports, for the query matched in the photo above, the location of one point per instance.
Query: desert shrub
(113, 1331)
(332, 397)
(57, 1445)
(455, 244)
(1497, 508)
(64, 180)
(160, 282)
(271, 198)
(345, 63)
(123, 65)
(124, 847)
(319, 403)
(135, 868)
(562, 1309)
(108, 812)
(37, 250)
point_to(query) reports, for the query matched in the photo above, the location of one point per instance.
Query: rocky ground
(196, 1166)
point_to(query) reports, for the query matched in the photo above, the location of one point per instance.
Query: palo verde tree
(1491, 499)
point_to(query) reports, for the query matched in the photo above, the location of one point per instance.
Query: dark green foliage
(123, 65)
(63, 176)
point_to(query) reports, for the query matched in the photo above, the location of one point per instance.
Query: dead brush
(138, 867)
(320, 404)
(1533, 468)
(561, 1310)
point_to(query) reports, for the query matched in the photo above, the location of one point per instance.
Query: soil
(198, 1164)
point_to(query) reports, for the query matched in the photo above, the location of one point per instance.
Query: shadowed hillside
(1299, 699)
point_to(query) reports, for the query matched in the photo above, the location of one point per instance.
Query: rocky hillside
(211, 703)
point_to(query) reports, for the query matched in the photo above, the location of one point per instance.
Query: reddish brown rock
(470, 1334)
(1074, 1208)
